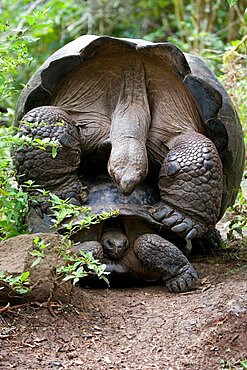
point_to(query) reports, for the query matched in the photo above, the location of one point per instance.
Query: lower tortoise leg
(191, 185)
(164, 258)
(58, 174)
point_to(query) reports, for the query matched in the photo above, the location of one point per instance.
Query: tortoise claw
(160, 213)
(183, 281)
(183, 226)
(177, 221)
(192, 234)
(210, 241)
(170, 221)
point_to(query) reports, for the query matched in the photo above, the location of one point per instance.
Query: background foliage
(31, 30)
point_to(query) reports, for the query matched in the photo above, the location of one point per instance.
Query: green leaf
(35, 252)
(30, 19)
(36, 240)
(75, 280)
(244, 364)
(29, 38)
(245, 16)
(103, 277)
(22, 290)
(54, 152)
(24, 276)
(36, 262)
(68, 277)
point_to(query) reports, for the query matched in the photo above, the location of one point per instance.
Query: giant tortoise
(138, 110)
(132, 245)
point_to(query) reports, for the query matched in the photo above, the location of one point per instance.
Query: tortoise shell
(221, 121)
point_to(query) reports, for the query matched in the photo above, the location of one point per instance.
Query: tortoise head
(114, 241)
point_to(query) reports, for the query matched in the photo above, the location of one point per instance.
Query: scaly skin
(191, 185)
(59, 174)
(115, 243)
(150, 258)
(190, 179)
(128, 162)
(161, 256)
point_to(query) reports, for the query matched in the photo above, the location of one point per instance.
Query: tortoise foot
(163, 258)
(183, 281)
(178, 221)
(210, 241)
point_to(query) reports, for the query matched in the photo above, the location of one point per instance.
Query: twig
(49, 305)
(5, 308)
(28, 11)
(9, 308)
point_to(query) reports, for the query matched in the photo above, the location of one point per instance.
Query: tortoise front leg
(191, 185)
(162, 257)
(59, 174)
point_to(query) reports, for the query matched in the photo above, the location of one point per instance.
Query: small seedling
(39, 253)
(78, 267)
(82, 216)
(20, 283)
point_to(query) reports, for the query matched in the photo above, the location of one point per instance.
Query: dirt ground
(135, 327)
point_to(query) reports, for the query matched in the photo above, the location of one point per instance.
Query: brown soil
(135, 328)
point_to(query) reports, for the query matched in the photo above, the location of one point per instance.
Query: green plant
(238, 223)
(74, 267)
(243, 363)
(17, 34)
(75, 218)
(39, 252)
(19, 284)
(63, 210)
(14, 198)
(234, 78)
(234, 365)
(77, 267)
